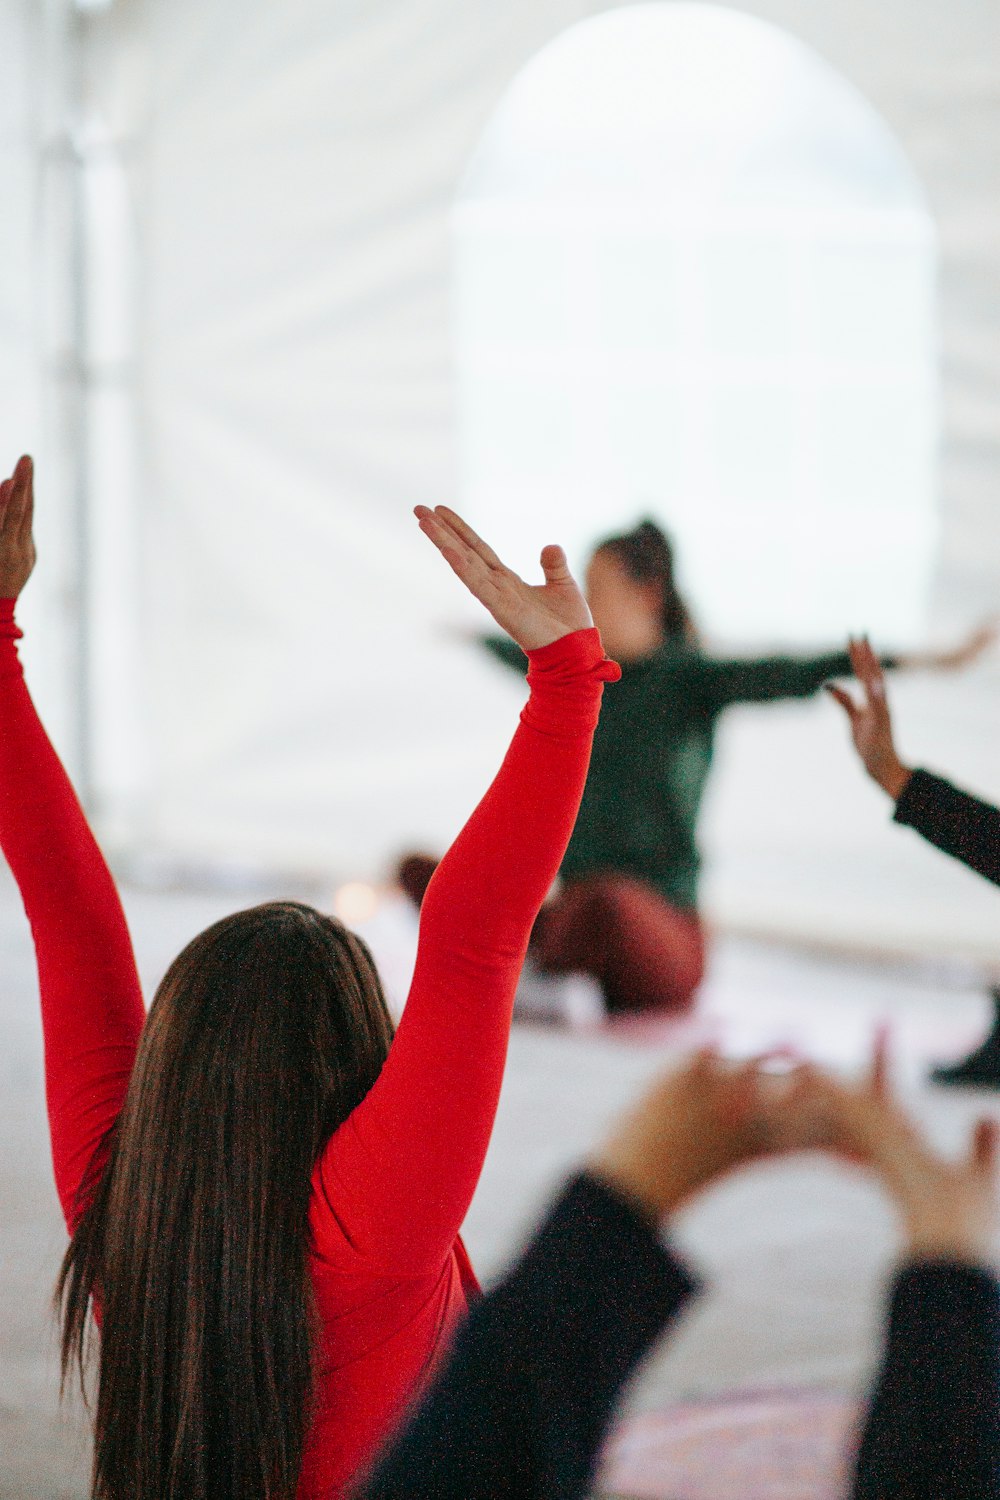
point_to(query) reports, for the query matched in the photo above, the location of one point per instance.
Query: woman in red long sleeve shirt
(263, 1186)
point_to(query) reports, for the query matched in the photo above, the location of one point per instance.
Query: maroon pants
(644, 953)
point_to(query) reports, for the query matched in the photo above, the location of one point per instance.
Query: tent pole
(71, 368)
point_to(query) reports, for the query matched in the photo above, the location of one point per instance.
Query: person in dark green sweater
(627, 912)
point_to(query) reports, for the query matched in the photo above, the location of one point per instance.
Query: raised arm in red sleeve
(400, 1173)
(92, 1010)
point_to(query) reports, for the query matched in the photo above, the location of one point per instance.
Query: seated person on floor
(627, 909)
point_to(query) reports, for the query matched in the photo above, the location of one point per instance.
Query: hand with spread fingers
(871, 723)
(17, 546)
(948, 1208)
(534, 615)
(694, 1126)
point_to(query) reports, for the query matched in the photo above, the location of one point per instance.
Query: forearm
(769, 679)
(954, 821)
(933, 1425)
(524, 1402)
(437, 1095)
(91, 1005)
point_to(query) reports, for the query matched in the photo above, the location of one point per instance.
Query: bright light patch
(355, 903)
(695, 277)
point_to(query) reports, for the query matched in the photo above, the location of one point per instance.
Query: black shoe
(981, 1069)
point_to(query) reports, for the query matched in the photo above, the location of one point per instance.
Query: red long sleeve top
(393, 1184)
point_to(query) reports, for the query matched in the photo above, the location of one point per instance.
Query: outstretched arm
(400, 1172)
(955, 822)
(769, 679)
(91, 1004)
(932, 1431)
(525, 1399)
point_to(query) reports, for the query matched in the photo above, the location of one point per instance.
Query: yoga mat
(770, 1445)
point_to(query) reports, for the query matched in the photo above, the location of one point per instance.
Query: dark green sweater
(652, 753)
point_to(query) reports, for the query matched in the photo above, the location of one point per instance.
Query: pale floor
(795, 1255)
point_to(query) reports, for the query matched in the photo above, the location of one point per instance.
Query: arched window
(695, 278)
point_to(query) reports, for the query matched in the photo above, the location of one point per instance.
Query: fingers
(982, 638)
(16, 500)
(879, 1072)
(985, 1148)
(555, 566)
(847, 703)
(25, 474)
(874, 676)
(867, 667)
(463, 532)
(460, 558)
(20, 503)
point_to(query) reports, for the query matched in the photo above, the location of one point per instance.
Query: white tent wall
(293, 169)
(37, 378)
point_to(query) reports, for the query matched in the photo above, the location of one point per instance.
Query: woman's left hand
(871, 723)
(533, 614)
(17, 546)
(963, 655)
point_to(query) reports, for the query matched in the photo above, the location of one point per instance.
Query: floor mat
(772, 1445)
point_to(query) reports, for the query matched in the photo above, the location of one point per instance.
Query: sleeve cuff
(601, 1238)
(918, 794)
(580, 652)
(9, 629)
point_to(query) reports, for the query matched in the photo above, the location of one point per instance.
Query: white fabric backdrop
(293, 169)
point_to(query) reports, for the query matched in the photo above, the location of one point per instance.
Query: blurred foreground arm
(523, 1405)
(932, 1430)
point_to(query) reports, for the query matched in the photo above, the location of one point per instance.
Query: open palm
(17, 547)
(533, 614)
(871, 724)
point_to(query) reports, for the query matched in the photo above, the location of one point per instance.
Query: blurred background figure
(627, 913)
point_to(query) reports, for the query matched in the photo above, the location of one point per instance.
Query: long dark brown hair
(647, 555)
(193, 1243)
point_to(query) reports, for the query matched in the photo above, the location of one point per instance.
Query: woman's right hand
(533, 614)
(17, 547)
(948, 1208)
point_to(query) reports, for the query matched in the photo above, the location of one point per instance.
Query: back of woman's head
(265, 1033)
(647, 556)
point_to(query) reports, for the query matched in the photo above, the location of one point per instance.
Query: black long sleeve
(524, 1401)
(956, 822)
(933, 1425)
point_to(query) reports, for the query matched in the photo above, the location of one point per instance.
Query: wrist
(650, 1191)
(892, 776)
(948, 1243)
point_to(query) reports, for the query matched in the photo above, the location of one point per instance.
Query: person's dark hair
(647, 556)
(193, 1244)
